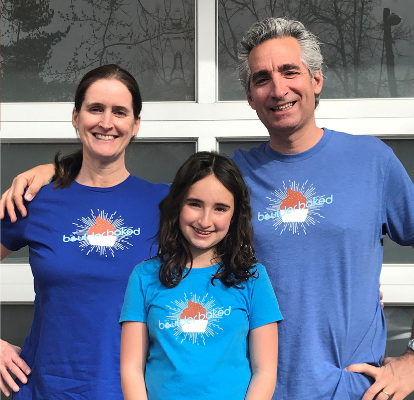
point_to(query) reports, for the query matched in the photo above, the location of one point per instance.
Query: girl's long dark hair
(235, 250)
(67, 168)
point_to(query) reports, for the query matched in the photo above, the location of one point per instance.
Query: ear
(75, 116)
(250, 100)
(317, 82)
(137, 123)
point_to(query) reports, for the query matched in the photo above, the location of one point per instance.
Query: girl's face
(106, 120)
(206, 215)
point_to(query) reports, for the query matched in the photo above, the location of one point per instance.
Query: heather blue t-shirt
(319, 218)
(198, 331)
(84, 243)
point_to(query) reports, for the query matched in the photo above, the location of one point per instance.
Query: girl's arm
(263, 360)
(134, 351)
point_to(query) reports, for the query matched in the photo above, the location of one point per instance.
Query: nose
(279, 87)
(106, 120)
(204, 219)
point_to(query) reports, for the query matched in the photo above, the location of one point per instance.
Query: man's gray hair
(273, 28)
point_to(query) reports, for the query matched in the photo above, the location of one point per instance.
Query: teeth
(284, 107)
(104, 137)
(201, 232)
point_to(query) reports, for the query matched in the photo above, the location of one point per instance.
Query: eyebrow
(200, 201)
(280, 68)
(118, 108)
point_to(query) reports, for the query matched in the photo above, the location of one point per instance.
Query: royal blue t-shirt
(198, 331)
(319, 218)
(84, 243)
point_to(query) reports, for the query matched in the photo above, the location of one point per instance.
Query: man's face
(281, 89)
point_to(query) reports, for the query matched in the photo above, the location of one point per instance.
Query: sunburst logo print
(295, 207)
(103, 233)
(194, 319)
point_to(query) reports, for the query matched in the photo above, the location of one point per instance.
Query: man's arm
(34, 179)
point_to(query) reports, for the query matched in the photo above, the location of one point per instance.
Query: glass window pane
(359, 48)
(154, 161)
(48, 45)
(403, 149)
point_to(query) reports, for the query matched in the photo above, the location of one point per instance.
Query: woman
(85, 231)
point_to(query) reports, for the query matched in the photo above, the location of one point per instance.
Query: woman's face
(106, 121)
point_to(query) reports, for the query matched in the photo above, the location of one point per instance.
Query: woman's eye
(194, 204)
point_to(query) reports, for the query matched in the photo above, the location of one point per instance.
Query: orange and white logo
(194, 319)
(294, 208)
(103, 233)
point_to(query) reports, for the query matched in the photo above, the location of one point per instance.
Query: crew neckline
(102, 189)
(204, 269)
(327, 134)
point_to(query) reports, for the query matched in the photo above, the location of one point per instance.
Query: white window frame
(210, 121)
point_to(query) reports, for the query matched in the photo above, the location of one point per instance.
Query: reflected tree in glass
(154, 40)
(352, 37)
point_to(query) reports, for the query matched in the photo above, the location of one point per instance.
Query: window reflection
(48, 45)
(368, 51)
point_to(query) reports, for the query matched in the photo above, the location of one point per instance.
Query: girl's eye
(221, 209)
(194, 204)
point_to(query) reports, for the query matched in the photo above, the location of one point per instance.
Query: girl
(199, 320)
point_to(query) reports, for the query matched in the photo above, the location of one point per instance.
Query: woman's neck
(97, 174)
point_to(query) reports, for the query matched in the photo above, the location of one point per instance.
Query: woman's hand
(10, 361)
(34, 179)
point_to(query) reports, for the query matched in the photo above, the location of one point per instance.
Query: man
(322, 202)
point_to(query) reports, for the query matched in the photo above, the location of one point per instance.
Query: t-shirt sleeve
(134, 301)
(13, 234)
(264, 307)
(398, 215)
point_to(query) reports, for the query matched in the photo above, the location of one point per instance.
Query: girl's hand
(10, 361)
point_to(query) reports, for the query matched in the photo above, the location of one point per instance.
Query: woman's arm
(134, 352)
(263, 360)
(34, 179)
(10, 360)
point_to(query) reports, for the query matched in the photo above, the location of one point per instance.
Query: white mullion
(206, 51)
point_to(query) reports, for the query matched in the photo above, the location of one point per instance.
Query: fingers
(11, 363)
(365, 369)
(3, 388)
(3, 204)
(33, 189)
(384, 395)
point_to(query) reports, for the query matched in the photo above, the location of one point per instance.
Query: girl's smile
(205, 218)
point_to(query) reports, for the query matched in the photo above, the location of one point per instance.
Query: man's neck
(295, 142)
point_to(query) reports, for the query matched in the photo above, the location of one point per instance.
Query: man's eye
(261, 81)
(120, 113)
(95, 109)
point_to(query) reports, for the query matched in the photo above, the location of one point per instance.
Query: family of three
(200, 319)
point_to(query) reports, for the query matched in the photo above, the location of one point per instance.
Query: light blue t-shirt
(319, 218)
(198, 331)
